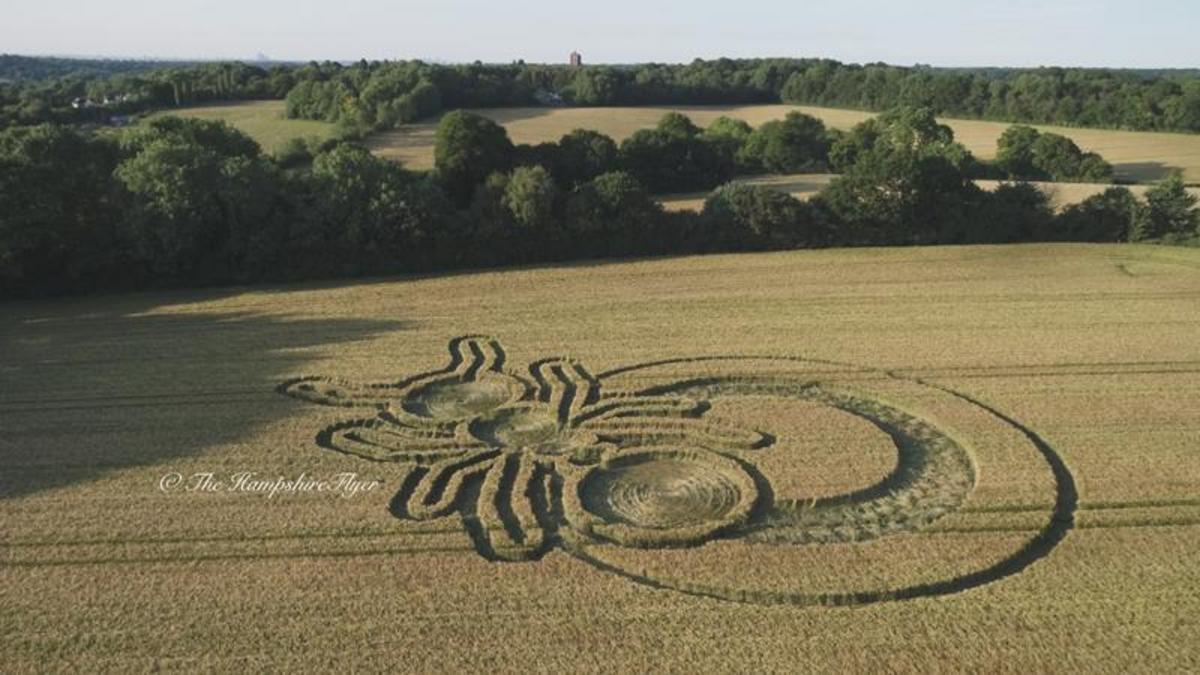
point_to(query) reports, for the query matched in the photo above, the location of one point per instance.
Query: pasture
(1136, 156)
(874, 459)
(263, 121)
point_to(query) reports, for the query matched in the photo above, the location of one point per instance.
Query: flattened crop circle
(664, 496)
(851, 514)
(451, 399)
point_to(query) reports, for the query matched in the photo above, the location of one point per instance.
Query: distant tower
(576, 60)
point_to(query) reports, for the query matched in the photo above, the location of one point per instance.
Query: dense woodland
(371, 95)
(362, 94)
(176, 202)
(16, 68)
(181, 202)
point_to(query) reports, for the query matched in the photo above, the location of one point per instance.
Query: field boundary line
(229, 539)
(218, 557)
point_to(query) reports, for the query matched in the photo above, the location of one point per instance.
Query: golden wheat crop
(1136, 155)
(988, 451)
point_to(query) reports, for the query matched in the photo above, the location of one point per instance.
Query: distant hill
(16, 68)
(31, 68)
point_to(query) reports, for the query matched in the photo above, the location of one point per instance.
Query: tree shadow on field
(510, 115)
(90, 386)
(1143, 172)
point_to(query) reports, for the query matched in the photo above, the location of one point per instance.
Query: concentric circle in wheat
(451, 399)
(661, 493)
(665, 497)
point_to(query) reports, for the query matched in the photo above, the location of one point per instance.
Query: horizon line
(441, 61)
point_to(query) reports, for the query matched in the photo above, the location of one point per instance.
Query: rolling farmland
(982, 457)
(805, 185)
(263, 121)
(1136, 156)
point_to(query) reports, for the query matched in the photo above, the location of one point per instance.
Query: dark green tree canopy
(797, 143)
(59, 206)
(756, 217)
(531, 196)
(1170, 211)
(1025, 153)
(905, 180)
(614, 215)
(583, 155)
(595, 86)
(673, 157)
(1011, 213)
(1014, 152)
(677, 126)
(727, 137)
(468, 148)
(1108, 216)
(200, 192)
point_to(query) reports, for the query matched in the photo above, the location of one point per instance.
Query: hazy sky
(1149, 33)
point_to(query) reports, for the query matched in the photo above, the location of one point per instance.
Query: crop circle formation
(665, 496)
(556, 457)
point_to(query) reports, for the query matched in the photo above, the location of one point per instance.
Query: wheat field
(1136, 155)
(805, 185)
(983, 457)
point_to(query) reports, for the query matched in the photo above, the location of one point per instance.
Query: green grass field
(871, 459)
(263, 121)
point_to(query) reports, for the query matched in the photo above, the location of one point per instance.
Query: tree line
(14, 67)
(185, 202)
(678, 156)
(1067, 96)
(372, 95)
(89, 97)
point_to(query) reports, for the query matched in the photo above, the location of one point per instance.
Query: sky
(1125, 33)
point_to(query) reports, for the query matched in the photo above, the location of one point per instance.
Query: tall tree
(59, 209)
(202, 198)
(1170, 211)
(795, 144)
(582, 155)
(907, 181)
(1108, 216)
(530, 196)
(468, 148)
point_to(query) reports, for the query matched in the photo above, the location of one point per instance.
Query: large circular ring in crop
(852, 533)
(658, 497)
